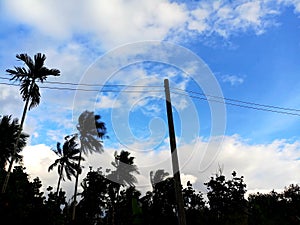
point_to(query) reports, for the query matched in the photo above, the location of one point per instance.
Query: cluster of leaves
(24, 203)
(105, 202)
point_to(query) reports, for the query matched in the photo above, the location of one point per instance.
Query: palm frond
(45, 72)
(56, 162)
(27, 60)
(35, 71)
(39, 60)
(34, 96)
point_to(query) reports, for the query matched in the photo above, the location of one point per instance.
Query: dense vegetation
(106, 202)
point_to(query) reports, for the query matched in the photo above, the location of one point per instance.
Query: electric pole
(175, 163)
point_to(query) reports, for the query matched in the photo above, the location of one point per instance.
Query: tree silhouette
(28, 77)
(93, 207)
(227, 199)
(194, 205)
(124, 169)
(91, 132)
(121, 176)
(22, 200)
(67, 161)
(163, 207)
(9, 130)
(157, 177)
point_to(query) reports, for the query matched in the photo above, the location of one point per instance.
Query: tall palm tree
(28, 76)
(9, 130)
(67, 161)
(91, 132)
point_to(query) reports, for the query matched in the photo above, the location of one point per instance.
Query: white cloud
(187, 177)
(229, 18)
(233, 79)
(113, 22)
(11, 99)
(250, 12)
(142, 20)
(37, 160)
(107, 102)
(265, 167)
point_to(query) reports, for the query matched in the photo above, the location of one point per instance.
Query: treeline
(104, 201)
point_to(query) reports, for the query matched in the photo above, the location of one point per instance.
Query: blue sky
(251, 49)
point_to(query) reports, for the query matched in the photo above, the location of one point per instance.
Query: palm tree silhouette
(9, 130)
(157, 177)
(91, 132)
(125, 168)
(28, 78)
(122, 176)
(67, 161)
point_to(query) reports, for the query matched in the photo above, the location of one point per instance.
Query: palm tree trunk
(16, 145)
(59, 179)
(75, 190)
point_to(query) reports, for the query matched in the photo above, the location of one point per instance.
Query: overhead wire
(174, 90)
(88, 90)
(238, 105)
(239, 101)
(93, 85)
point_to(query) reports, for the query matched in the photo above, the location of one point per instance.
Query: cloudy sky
(233, 68)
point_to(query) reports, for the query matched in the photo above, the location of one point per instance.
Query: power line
(88, 90)
(218, 99)
(239, 101)
(94, 85)
(155, 86)
(239, 105)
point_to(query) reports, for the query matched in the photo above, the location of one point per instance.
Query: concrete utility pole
(175, 164)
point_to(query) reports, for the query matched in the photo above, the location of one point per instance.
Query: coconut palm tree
(157, 177)
(68, 160)
(125, 168)
(9, 130)
(91, 132)
(28, 76)
(121, 176)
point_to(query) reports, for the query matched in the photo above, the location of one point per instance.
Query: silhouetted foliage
(94, 206)
(157, 176)
(35, 71)
(226, 200)
(8, 136)
(67, 163)
(28, 76)
(194, 205)
(23, 203)
(91, 132)
(104, 202)
(122, 176)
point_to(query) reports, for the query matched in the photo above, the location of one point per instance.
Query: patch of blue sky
(146, 118)
(50, 127)
(264, 61)
(12, 38)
